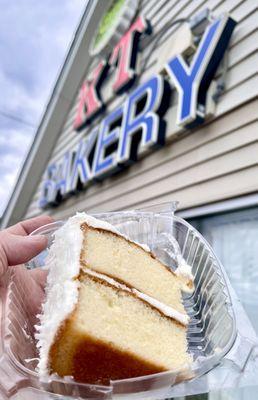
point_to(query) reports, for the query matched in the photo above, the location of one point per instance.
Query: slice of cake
(112, 310)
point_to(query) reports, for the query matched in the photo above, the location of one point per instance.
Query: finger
(26, 227)
(39, 276)
(32, 292)
(20, 249)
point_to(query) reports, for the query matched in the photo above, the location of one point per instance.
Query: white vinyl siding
(215, 161)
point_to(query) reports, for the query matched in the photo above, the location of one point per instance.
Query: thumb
(16, 249)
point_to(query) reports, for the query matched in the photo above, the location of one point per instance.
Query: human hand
(16, 247)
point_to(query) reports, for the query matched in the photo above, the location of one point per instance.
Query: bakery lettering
(124, 55)
(137, 125)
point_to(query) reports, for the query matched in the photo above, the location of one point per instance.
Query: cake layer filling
(161, 307)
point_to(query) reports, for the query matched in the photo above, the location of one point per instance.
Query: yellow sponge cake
(112, 310)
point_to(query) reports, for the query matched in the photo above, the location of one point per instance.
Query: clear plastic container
(211, 332)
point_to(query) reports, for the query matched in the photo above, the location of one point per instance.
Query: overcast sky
(34, 38)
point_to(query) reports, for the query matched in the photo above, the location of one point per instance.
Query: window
(234, 238)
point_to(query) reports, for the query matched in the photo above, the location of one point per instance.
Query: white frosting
(100, 224)
(184, 270)
(166, 310)
(63, 262)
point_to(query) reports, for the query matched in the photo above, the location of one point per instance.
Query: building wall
(213, 162)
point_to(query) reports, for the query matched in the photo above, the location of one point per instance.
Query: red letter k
(90, 101)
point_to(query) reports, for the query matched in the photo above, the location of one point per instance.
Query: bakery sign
(136, 125)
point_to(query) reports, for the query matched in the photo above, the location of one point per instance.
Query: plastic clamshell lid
(211, 332)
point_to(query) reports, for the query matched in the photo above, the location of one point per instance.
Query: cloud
(35, 37)
(14, 145)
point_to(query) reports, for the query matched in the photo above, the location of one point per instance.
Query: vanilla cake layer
(114, 335)
(115, 256)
